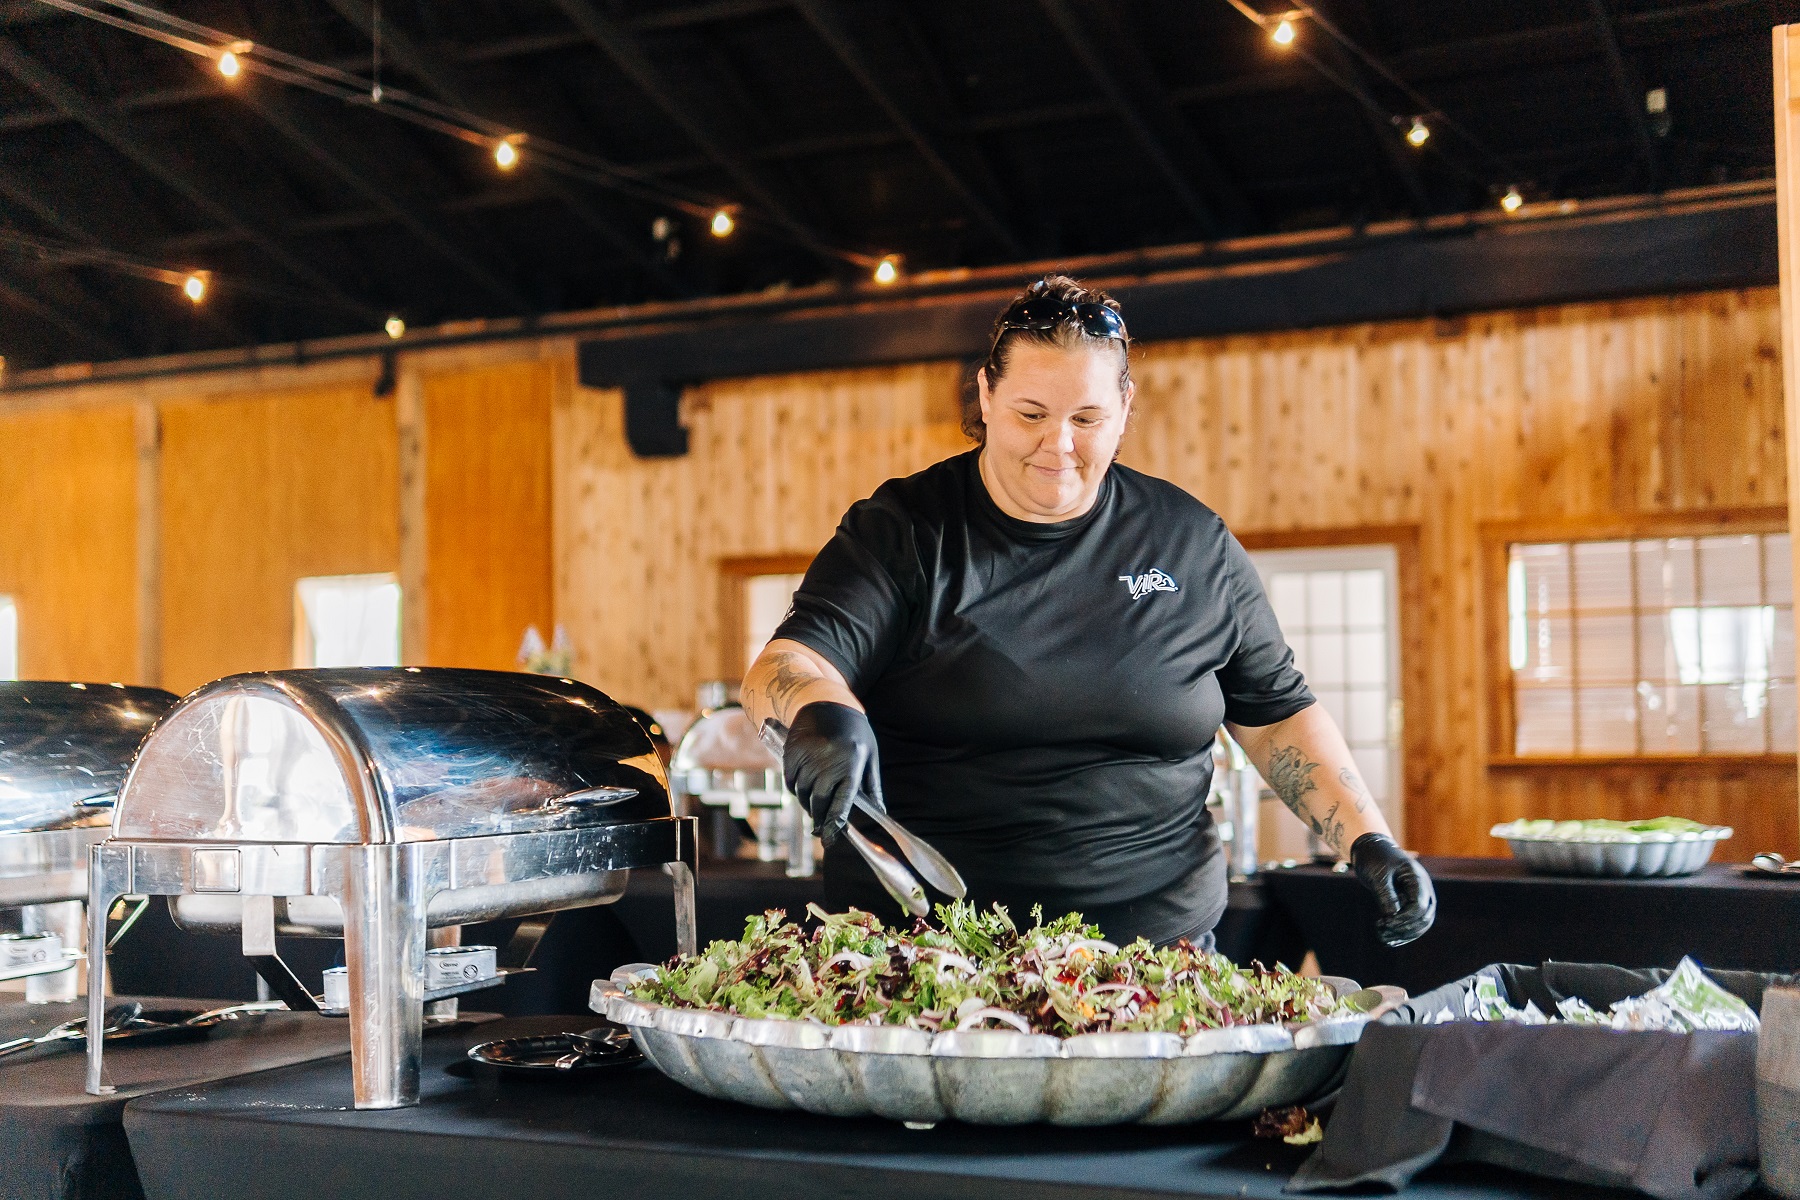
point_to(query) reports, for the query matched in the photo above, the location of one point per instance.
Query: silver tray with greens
(977, 1020)
(1660, 846)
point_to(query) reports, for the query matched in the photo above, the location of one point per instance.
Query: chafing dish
(64, 751)
(725, 767)
(379, 805)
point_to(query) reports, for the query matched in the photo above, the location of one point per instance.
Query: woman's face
(1053, 427)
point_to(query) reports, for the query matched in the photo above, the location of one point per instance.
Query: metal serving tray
(988, 1077)
(1649, 855)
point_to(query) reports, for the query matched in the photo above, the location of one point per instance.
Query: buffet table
(1492, 910)
(57, 1141)
(631, 1132)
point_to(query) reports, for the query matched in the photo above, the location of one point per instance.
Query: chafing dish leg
(109, 877)
(685, 936)
(384, 947)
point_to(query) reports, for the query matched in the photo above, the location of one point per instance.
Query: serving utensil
(1774, 864)
(895, 879)
(117, 1017)
(925, 858)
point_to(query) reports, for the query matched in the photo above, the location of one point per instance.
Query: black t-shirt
(1045, 696)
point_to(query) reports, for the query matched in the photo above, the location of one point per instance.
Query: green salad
(1597, 829)
(974, 969)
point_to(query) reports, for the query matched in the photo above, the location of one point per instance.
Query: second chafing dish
(376, 804)
(64, 751)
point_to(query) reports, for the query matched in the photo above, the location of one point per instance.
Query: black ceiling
(953, 132)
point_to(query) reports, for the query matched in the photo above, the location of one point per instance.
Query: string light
(396, 328)
(1284, 32)
(887, 270)
(723, 223)
(1419, 134)
(194, 286)
(506, 153)
(1512, 201)
(229, 66)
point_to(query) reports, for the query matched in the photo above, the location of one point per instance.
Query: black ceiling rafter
(83, 331)
(119, 132)
(1402, 159)
(404, 53)
(1227, 211)
(326, 147)
(620, 45)
(829, 25)
(1631, 98)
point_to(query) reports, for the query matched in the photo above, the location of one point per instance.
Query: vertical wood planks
(1787, 216)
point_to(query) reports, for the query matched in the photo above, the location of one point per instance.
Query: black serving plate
(557, 1055)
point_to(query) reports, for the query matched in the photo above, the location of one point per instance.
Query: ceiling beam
(439, 77)
(1226, 211)
(326, 147)
(618, 43)
(827, 23)
(1631, 98)
(119, 132)
(83, 331)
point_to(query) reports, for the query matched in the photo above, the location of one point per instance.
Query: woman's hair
(1064, 334)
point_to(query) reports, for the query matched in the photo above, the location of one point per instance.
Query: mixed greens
(975, 968)
(1601, 830)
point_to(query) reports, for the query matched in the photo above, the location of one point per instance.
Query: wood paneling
(1592, 416)
(773, 464)
(1595, 416)
(486, 510)
(259, 491)
(68, 541)
(1786, 45)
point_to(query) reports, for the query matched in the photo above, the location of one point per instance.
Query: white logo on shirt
(1152, 580)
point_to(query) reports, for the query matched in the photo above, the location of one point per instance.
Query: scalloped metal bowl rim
(1505, 831)
(992, 1043)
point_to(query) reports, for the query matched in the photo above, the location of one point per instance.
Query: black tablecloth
(57, 1142)
(632, 1132)
(1492, 910)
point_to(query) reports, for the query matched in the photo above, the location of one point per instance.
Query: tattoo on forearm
(787, 679)
(1358, 789)
(1290, 775)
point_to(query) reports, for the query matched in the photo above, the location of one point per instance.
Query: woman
(1024, 652)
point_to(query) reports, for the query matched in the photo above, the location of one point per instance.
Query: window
(1339, 611)
(1651, 646)
(9, 638)
(347, 621)
(766, 600)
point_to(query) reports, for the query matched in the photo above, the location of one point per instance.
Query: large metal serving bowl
(1650, 855)
(988, 1077)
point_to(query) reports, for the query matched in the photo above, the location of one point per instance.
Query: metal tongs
(895, 877)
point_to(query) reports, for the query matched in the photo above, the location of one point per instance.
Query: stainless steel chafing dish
(64, 751)
(377, 804)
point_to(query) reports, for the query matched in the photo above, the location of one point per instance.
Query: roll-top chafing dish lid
(65, 749)
(722, 739)
(388, 754)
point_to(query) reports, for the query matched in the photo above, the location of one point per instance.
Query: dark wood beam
(120, 132)
(332, 151)
(1225, 211)
(441, 79)
(619, 44)
(825, 20)
(1631, 96)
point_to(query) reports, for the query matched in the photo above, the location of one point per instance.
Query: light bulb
(506, 155)
(1512, 201)
(1419, 133)
(723, 223)
(194, 286)
(1284, 33)
(396, 328)
(229, 66)
(887, 270)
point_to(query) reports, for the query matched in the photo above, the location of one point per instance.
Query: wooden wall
(258, 491)
(1592, 412)
(68, 540)
(486, 504)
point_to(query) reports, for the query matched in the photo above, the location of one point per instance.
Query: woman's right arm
(785, 678)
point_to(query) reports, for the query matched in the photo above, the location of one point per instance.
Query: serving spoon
(1774, 864)
(116, 1018)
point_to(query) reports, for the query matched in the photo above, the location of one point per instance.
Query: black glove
(1402, 889)
(830, 757)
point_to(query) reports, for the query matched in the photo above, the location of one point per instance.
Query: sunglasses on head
(1046, 312)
